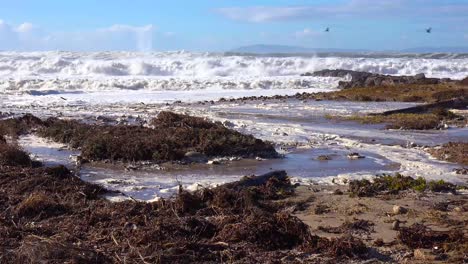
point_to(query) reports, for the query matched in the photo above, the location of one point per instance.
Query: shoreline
(245, 218)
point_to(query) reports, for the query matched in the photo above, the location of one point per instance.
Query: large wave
(186, 70)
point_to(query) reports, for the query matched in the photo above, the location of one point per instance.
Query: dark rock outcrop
(367, 79)
(464, 81)
(456, 103)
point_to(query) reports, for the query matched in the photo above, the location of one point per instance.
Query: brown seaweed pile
(172, 137)
(453, 152)
(47, 215)
(359, 226)
(393, 184)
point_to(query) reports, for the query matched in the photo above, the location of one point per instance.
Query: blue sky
(220, 25)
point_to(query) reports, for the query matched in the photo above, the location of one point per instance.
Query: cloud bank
(28, 37)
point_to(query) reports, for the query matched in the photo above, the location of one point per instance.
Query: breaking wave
(188, 71)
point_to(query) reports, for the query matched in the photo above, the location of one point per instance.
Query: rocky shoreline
(366, 86)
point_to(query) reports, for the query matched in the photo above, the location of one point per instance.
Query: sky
(222, 25)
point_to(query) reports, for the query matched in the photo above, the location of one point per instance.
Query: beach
(149, 128)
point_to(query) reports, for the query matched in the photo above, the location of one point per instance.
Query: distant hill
(278, 49)
(437, 50)
(266, 49)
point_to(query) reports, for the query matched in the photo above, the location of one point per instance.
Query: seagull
(429, 30)
(327, 29)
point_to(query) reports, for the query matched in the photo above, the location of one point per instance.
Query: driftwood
(457, 103)
(256, 180)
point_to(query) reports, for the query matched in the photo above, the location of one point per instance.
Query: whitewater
(151, 75)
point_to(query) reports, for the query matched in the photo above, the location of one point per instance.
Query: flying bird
(428, 30)
(327, 29)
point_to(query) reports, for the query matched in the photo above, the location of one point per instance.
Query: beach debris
(399, 210)
(420, 236)
(131, 167)
(424, 254)
(321, 209)
(338, 192)
(324, 157)
(453, 151)
(355, 156)
(197, 157)
(213, 162)
(228, 124)
(462, 171)
(39, 205)
(243, 219)
(358, 226)
(393, 184)
(173, 136)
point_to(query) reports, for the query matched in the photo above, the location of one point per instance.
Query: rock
(458, 209)
(462, 171)
(131, 167)
(213, 162)
(354, 156)
(396, 225)
(193, 156)
(419, 76)
(456, 103)
(379, 242)
(324, 157)
(424, 254)
(78, 160)
(399, 209)
(464, 81)
(228, 124)
(338, 192)
(367, 79)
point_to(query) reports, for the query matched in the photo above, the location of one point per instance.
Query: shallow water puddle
(48, 152)
(147, 184)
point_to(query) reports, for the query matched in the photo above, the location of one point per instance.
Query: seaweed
(453, 151)
(420, 236)
(13, 155)
(357, 226)
(395, 184)
(171, 137)
(48, 215)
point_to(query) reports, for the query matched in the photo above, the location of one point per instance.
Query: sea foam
(178, 71)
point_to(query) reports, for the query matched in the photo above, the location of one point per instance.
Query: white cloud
(25, 27)
(28, 36)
